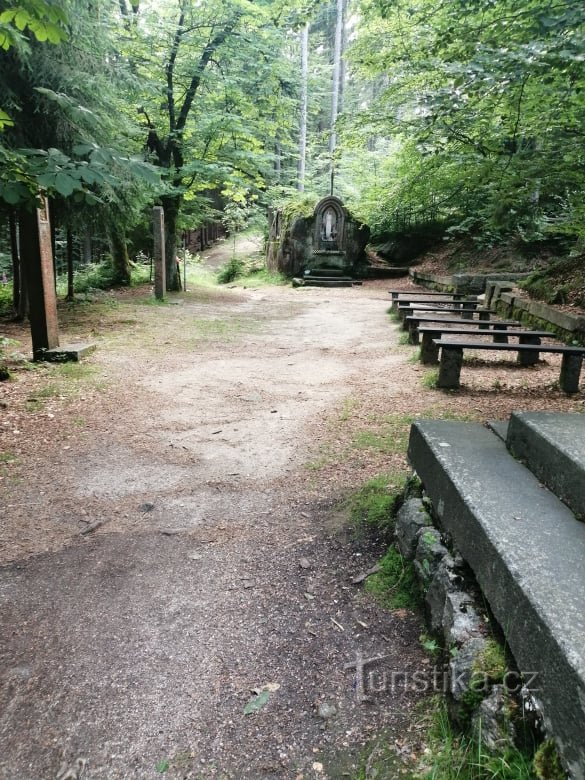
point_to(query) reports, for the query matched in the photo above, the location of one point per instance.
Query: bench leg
(484, 315)
(500, 338)
(450, 368)
(429, 351)
(413, 332)
(529, 358)
(570, 372)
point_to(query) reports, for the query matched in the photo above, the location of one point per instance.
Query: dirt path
(211, 439)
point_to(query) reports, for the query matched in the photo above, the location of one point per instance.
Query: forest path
(213, 438)
(222, 564)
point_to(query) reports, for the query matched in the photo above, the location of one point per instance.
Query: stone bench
(413, 321)
(396, 293)
(429, 353)
(452, 303)
(452, 359)
(526, 549)
(464, 312)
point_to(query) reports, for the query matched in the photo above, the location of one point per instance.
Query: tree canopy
(470, 113)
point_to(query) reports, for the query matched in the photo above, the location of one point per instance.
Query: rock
(305, 563)
(326, 710)
(410, 519)
(146, 507)
(429, 553)
(492, 723)
(445, 581)
(461, 666)
(460, 620)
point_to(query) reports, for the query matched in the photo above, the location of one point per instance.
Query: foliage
(481, 108)
(230, 271)
(396, 585)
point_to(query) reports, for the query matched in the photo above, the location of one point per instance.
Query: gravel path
(221, 569)
(208, 626)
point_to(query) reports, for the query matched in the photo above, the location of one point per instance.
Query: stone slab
(552, 445)
(527, 551)
(499, 427)
(69, 353)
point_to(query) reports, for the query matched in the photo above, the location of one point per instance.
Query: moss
(491, 662)
(547, 764)
(395, 586)
(375, 504)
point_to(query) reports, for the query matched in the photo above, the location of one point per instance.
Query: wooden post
(37, 260)
(158, 216)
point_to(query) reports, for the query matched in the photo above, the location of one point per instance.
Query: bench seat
(452, 360)
(412, 321)
(464, 312)
(429, 353)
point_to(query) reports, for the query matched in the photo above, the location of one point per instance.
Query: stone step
(527, 551)
(335, 273)
(70, 353)
(552, 445)
(323, 282)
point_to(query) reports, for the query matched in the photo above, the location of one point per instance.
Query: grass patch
(452, 756)
(7, 457)
(375, 504)
(49, 391)
(74, 370)
(348, 407)
(393, 314)
(415, 357)
(430, 379)
(391, 436)
(404, 339)
(395, 586)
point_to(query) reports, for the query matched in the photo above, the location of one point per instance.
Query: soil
(175, 544)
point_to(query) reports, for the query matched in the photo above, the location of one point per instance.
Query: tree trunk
(335, 92)
(304, 104)
(120, 259)
(171, 206)
(16, 275)
(87, 247)
(70, 291)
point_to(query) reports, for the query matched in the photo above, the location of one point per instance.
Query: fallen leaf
(257, 703)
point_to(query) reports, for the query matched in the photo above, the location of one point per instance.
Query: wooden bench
(465, 312)
(413, 321)
(429, 351)
(452, 359)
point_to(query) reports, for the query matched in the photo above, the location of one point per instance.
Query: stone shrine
(329, 241)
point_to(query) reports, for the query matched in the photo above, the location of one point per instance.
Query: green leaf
(21, 19)
(163, 766)
(65, 184)
(257, 703)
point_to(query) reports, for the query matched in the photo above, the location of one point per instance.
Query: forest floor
(176, 560)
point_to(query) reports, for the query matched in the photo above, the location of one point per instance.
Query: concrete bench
(429, 352)
(464, 312)
(396, 293)
(413, 321)
(452, 359)
(423, 300)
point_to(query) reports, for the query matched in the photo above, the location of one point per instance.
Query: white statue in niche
(329, 225)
